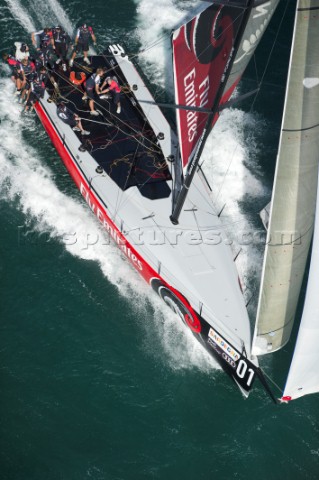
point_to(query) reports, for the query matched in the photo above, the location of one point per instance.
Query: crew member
(22, 51)
(42, 40)
(40, 61)
(44, 76)
(61, 42)
(70, 118)
(115, 90)
(81, 43)
(92, 86)
(28, 69)
(36, 91)
(16, 73)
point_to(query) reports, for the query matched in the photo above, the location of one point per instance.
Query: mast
(217, 59)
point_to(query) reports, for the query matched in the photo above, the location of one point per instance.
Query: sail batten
(294, 193)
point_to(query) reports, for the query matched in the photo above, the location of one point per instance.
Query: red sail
(202, 49)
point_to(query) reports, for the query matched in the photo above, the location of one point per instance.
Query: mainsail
(203, 49)
(295, 189)
(210, 54)
(303, 376)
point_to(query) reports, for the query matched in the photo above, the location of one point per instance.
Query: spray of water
(21, 15)
(156, 21)
(62, 17)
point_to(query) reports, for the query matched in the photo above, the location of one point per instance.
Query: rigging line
(270, 54)
(133, 192)
(132, 55)
(260, 84)
(121, 192)
(255, 97)
(94, 121)
(198, 229)
(224, 177)
(126, 93)
(150, 46)
(204, 197)
(256, 70)
(109, 142)
(134, 157)
(107, 124)
(136, 132)
(111, 69)
(272, 381)
(143, 145)
(205, 117)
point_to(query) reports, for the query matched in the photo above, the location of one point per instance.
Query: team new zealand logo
(209, 33)
(186, 314)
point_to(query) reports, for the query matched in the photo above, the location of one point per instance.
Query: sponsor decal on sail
(257, 25)
(202, 51)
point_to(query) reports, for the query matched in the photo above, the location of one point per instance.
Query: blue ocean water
(98, 380)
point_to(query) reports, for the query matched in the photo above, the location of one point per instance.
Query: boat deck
(124, 144)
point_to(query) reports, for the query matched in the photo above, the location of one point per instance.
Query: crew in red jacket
(16, 73)
(115, 90)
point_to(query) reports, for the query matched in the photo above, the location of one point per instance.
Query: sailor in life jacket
(27, 69)
(42, 40)
(22, 51)
(81, 42)
(16, 73)
(92, 87)
(61, 42)
(70, 118)
(40, 60)
(36, 91)
(115, 89)
(44, 76)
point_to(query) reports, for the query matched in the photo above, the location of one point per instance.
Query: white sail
(303, 376)
(294, 193)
